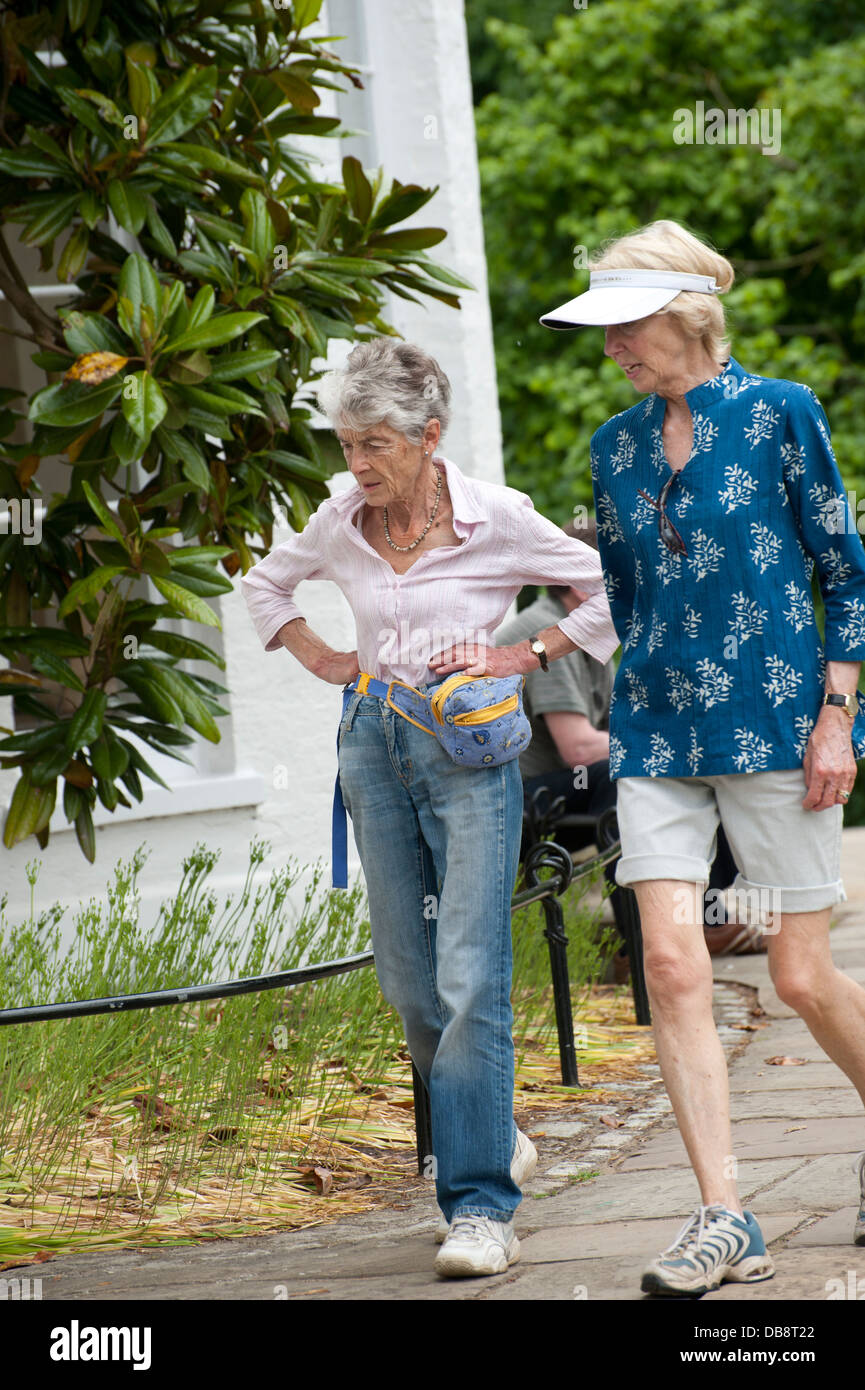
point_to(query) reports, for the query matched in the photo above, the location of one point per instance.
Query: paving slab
(615, 1277)
(628, 1196)
(810, 1103)
(756, 1075)
(834, 1229)
(810, 1275)
(644, 1239)
(789, 1038)
(772, 1138)
(817, 1184)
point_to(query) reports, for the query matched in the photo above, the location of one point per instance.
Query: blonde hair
(666, 245)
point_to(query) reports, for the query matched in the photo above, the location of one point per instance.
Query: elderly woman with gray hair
(718, 497)
(429, 560)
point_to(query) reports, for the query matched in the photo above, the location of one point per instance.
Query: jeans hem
(487, 1213)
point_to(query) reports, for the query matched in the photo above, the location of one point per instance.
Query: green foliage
(247, 1087)
(576, 147)
(154, 170)
(241, 1079)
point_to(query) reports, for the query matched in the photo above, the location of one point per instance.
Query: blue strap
(339, 821)
(368, 685)
(339, 824)
(373, 687)
(339, 839)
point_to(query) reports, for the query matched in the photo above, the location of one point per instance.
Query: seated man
(568, 756)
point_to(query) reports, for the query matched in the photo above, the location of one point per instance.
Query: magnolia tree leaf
(144, 405)
(95, 367)
(212, 265)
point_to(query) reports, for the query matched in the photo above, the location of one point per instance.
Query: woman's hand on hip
(338, 668)
(829, 764)
(477, 659)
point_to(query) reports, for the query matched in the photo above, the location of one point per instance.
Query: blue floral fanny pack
(478, 720)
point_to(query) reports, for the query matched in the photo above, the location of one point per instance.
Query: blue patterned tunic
(722, 666)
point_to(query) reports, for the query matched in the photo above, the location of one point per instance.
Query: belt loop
(351, 699)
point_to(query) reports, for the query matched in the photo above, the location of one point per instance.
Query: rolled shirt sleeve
(544, 554)
(269, 586)
(826, 524)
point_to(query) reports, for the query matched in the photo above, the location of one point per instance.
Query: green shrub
(178, 376)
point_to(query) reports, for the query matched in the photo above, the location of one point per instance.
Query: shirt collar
(465, 506)
(724, 386)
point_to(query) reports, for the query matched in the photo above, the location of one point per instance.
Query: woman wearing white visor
(717, 496)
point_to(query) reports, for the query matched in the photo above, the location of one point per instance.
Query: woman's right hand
(338, 668)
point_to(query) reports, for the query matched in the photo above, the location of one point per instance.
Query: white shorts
(789, 859)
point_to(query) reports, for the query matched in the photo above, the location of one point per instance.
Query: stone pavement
(796, 1132)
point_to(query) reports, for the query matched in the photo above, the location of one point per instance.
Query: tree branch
(782, 262)
(15, 289)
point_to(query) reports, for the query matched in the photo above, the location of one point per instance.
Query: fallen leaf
(322, 1178)
(222, 1133)
(787, 1061)
(793, 1128)
(612, 1121)
(39, 1258)
(163, 1115)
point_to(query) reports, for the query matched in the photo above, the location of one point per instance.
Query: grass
(260, 1112)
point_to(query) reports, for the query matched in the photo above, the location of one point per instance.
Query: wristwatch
(849, 703)
(540, 652)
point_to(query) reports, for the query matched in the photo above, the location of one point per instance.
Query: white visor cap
(623, 296)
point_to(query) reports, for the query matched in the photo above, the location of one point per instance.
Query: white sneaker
(475, 1246)
(523, 1164)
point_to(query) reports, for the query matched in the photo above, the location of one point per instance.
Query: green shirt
(575, 684)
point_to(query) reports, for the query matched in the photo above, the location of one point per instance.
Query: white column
(423, 118)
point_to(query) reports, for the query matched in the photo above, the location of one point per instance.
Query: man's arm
(578, 743)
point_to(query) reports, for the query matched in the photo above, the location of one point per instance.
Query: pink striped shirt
(450, 594)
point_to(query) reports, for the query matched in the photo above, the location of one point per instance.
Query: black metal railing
(545, 854)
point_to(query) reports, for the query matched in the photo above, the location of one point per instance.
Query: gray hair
(386, 381)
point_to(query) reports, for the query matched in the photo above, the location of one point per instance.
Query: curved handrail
(544, 854)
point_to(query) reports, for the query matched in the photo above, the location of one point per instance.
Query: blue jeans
(439, 845)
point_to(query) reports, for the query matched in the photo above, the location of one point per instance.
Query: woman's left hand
(829, 764)
(477, 660)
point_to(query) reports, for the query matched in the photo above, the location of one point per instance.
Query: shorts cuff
(769, 899)
(634, 868)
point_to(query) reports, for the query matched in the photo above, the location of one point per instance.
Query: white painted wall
(418, 99)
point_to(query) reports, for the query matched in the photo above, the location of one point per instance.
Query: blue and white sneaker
(713, 1247)
(859, 1229)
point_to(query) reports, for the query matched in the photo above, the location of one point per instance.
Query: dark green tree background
(575, 124)
(575, 120)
